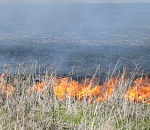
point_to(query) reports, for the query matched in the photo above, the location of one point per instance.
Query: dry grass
(43, 111)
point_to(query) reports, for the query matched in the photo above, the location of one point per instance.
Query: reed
(31, 106)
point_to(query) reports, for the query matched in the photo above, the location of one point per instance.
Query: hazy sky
(74, 1)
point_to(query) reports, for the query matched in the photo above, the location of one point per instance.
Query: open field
(31, 105)
(62, 90)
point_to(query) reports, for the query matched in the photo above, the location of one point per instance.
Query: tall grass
(25, 110)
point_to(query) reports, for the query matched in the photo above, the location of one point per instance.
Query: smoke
(79, 36)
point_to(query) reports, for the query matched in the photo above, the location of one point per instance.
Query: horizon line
(61, 2)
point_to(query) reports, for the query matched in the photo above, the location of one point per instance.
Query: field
(54, 103)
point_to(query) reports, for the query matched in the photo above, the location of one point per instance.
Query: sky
(69, 1)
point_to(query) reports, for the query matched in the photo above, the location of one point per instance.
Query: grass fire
(65, 88)
(55, 102)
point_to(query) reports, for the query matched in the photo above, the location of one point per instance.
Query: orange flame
(108, 90)
(8, 89)
(39, 87)
(140, 92)
(85, 90)
(66, 88)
